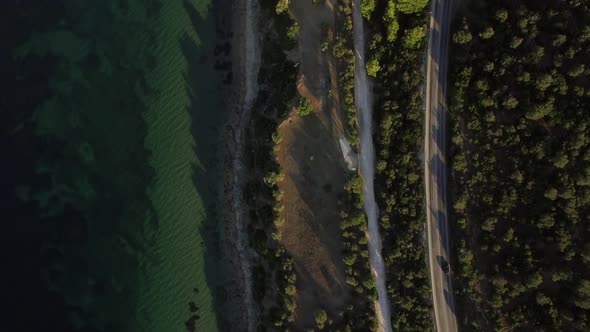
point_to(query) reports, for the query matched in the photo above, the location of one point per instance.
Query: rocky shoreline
(245, 56)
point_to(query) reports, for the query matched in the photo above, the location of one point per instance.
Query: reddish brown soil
(315, 174)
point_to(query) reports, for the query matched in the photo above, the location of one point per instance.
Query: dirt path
(363, 101)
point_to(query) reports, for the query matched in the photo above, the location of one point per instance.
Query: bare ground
(246, 63)
(315, 172)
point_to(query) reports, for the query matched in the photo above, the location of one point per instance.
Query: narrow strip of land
(249, 64)
(435, 168)
(363, 102)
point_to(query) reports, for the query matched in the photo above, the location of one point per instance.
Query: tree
(489, 224)
(551, 194)
(583, 295)
(290, 290)
(529, 172)
(460, 163)
(535, 280)
(586, 254)
(516, 41)
(487, 33)
(460, 203)
(543, 81)
(501, 15)
(305, 108)
(391, 22)
(576, 70)
(510, 102)
(546, 221)
(282, 6)
(462, 37)
(320, 318)
(373, 67)
(560, 160)
(414, 36)
(411, 6)
(585, 34)
(367, 8)
(542, 299)
(293, 31)
(559, 40)
(541, 110)
(537, 54)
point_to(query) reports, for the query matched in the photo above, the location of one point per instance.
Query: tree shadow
(449, 300)
(437, 132)
(439, 215)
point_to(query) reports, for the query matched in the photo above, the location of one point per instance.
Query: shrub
(411, 6)
(305, 108)
(373, 67)
(282, 6)
(414, 36)
(293, 31)
(367, 8)
(320, 318)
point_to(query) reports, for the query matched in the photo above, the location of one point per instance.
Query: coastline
(245, 57)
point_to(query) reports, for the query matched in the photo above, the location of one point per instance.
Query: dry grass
(315, 173)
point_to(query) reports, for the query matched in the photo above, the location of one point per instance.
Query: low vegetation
(274, 278)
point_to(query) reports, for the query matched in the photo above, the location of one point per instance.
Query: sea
(182, 280)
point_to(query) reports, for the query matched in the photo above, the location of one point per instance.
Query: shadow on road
(438, 169)
(436, 158)
(449, 301)
(439, 220)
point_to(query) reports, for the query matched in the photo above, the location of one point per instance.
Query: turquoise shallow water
(124, 85)
(184, 121)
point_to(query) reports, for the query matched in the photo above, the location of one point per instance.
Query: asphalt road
(435, 167)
